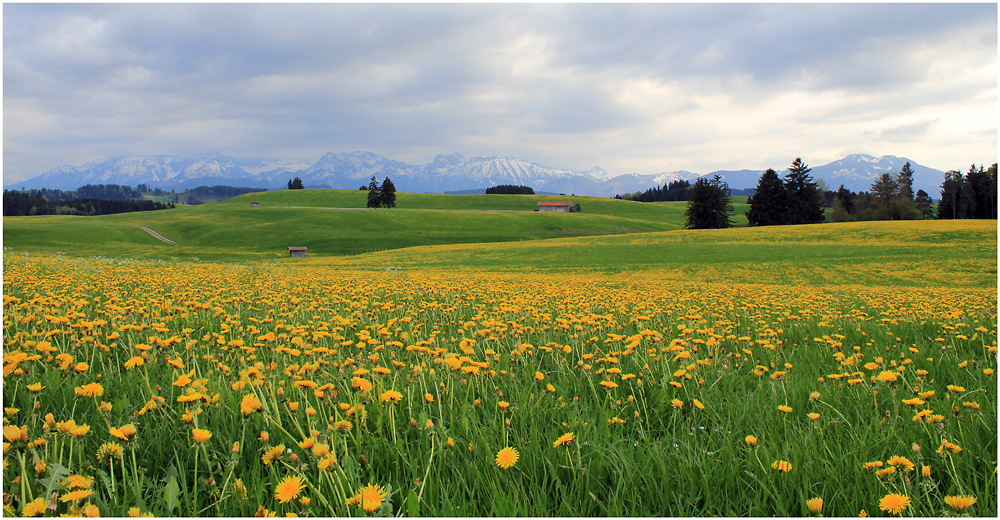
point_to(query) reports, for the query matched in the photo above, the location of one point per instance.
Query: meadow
(835, 370)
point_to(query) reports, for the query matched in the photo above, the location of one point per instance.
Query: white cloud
(629, 87)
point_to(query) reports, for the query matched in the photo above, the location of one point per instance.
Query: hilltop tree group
(973, 195)
(710, 205)
(383, 196)
(795, 200)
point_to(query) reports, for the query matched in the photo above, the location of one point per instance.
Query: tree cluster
(381, 196)
(891, 197)
(796, 199)
(973, 195)
(206, 194)
(509, 189)
(709, 205)
(673, 191)
(20, 203)
(295, 184)
(91, 191)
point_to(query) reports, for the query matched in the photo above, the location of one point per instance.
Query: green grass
(232, 230)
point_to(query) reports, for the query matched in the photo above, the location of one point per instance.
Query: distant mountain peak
(452, 172)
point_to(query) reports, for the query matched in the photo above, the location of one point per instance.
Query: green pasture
(331, 223)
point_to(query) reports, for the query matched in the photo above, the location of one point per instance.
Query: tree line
(671, 192)
(20, 204)
(383, 196)
(509, 189)
(798, 199)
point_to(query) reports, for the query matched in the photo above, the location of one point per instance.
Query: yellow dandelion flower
(503, 405)
(813, 415)
(955, 388)
(391, 396)
(201, 435)
(109, 451)
(507, 457)
(785, 408)
(894, 503)
(133, 362)
(782, 465)
(888, 376)
(34, 508)
(73, 496)
(677, 403)
(35, 387)
(89, 390)
(751, 440)
(369, 498)
(249, 404)
(326, 462)
(815, 505)
(960, 501)
(429, 398)
(697, 404)
(925, 471)
(565, 438)
(288, 489)
(896, 460)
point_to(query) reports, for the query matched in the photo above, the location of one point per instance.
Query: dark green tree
(843, 205)
(769, 205)
(951, 190)
(295, 184)
(805, 201)
(387, 194)
(374, 196)
(923, 202)
(904, 181)
(709, 206)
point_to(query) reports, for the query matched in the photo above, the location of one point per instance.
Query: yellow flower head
(369, 498)
(566, 438)
(201, 435)
(815, 505)
(960, 502)
(894, 503)
(782, 465)
(288, 489)
(507, 457)
(391, 396)
(249, 404)
(751, 440)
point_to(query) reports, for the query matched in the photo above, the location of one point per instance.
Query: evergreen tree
(769, 205)
(805, 202)
(709, 206)
(387, 194)
(951, 190)
(923, 202)
(374, 196)
(904, 179)
(843, 205)
(295, 184)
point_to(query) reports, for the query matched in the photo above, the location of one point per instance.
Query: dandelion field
(493, 384)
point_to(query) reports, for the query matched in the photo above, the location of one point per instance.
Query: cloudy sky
(631, 88)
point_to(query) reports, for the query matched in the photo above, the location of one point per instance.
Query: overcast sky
(631, 88)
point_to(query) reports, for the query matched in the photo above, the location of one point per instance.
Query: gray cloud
(631, 87)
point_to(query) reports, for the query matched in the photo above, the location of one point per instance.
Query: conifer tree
(769, 205)
(805, 201)
(374, 195)
(709, 206)
(387, 194)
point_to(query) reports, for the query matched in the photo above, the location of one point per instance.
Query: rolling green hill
(334, 223)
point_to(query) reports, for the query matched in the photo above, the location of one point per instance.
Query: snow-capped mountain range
(444, 174)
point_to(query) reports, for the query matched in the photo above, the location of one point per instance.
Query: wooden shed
(254, 204)
(297, 252)
(555, 206)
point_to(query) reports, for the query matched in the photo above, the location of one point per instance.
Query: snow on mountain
(445, 173)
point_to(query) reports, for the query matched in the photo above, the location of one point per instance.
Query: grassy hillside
(333, 223)
(914, 253)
